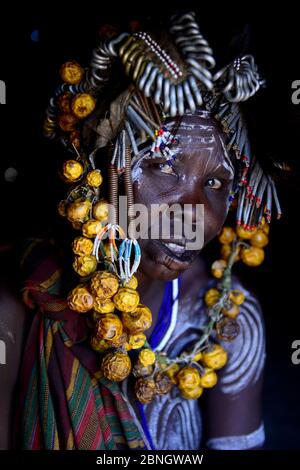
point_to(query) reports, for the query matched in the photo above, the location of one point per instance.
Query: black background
(30, 70)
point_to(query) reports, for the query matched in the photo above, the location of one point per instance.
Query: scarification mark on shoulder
(246, 354)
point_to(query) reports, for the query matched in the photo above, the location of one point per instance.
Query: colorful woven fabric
(64, 401)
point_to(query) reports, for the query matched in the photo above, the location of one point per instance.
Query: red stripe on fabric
(85, 416)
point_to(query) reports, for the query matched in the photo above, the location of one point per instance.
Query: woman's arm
(12, 329)
(233, 417)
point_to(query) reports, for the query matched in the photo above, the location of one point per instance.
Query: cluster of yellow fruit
(89, 217)
(79, 210)
(119, 322)
(250, 250)
(240, 244)
(190, 379)
(82, 208)
(72, 107)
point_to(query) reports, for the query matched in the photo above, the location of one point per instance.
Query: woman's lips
(171, 254)
(174, 248)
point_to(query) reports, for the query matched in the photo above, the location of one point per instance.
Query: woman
(170, 132)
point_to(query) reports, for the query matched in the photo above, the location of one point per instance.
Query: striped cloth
(64, 401)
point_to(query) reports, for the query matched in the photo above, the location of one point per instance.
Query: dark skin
(200, 174)
(12, 331)
(201, 177)
(197, 176)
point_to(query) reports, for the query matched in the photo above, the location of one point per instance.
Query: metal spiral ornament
(102, 58)
(239, 80)
(191, 43)
(128, 184)
(113, 192)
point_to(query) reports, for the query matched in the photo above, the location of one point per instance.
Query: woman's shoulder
(247, 352)
(13, 315)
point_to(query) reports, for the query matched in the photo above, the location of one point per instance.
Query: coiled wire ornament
(119, 260)
(125, 250)
(241, 79)
(124, 258)
(111, 230)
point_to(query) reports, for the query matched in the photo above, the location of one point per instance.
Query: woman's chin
(161, 264)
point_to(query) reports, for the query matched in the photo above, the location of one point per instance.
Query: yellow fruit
(197, 357)
(192, 393)
(147, 357)
(91, 228)
(116, 366)
(243, 233)
(67, 122)
(63, 102)
(72, 170)
(171, 372)
(227, 235)
(136, 341)
(218, 268)
(163, 383)
(188, 378)
(137, 321)
(82, 246)
(119, 342)
(211, 297)
(226, 252)
(103, 306)
(209, 378)
(126, 300)
(259, 239)
(237, 296)
(82, 105)
(80, 299)
(99, 345)
(100, 210)
(104, 285)
(109, 327)
(145, 390)
(227, 329)
(232, 311)
(264, 226)
(85, 265)
(75, 139)
(252, 256)
(94, 178)
(215, 357)
(141, 371)
(132, 283)
(71, 72)
(78, 211)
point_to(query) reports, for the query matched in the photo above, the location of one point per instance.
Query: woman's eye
(164, 168)
(214, 183)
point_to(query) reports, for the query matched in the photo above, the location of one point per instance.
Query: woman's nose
(191, 197)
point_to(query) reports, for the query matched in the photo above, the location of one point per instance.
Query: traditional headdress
(160, 84)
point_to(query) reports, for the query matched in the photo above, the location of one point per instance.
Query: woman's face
(202, 173)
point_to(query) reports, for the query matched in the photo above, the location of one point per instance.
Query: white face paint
(136, 174)
(193, 135)
(136, 170)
